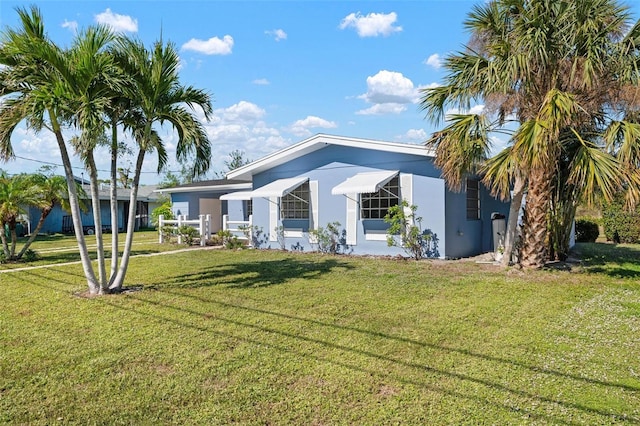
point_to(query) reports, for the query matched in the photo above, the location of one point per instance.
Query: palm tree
(49, 190)
(158, 97)
(16, 193)
(96, 81)
(558, 68)
(33, 80)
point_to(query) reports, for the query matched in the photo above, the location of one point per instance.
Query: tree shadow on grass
(357, 361)
(261, 273)
(615, 260)
(74, 256)
(418, 374)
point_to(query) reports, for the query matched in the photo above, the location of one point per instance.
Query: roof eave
(317, 142)
(208, 188)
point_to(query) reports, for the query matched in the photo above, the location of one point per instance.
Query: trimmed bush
(586, 231)
(188, 234)
(621, 225)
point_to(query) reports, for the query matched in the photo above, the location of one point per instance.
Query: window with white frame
(473, 199)
(295, 204)
(375, 205)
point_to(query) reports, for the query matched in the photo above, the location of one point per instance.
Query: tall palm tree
(117, 112)
(557, 67)
(159, 97)
(33, 81)
(96, 81)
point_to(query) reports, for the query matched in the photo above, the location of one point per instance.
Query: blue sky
(279, 72)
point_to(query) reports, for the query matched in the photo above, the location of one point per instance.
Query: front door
(212, 206)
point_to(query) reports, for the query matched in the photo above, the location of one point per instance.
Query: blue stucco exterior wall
(193, 198)
(469, 237)
(443, 211)
(53, 222)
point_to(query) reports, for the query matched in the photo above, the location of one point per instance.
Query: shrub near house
(587, 231)
(621, 225)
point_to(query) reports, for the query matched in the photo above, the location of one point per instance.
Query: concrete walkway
(29, 268)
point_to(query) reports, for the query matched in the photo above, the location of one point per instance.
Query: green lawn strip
(258, 337)
(618, 261)
(57, 249)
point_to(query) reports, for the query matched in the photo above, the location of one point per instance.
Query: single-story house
(202, 198)
(326, 179)
(59, 221)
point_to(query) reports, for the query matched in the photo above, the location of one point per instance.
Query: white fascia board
(320, 141)
(275, 159)
(209, 188)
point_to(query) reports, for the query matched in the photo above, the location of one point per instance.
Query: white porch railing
(242, 229)
(202, 224)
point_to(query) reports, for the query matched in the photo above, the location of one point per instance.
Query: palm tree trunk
(113, 196)
(43, 216)
(14, 240)
(5, 244)
(534, 232)
(512, 222)
(74, 205)
(131, 223)
(97, 221)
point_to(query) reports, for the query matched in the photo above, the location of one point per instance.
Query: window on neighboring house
(249, 207)
(473, 199)
(295, 204)
(375, 205)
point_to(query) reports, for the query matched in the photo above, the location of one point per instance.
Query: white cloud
(416, 135)
(261, 82)
(434, 61)
(278, 34)
(390, 87)
(476, 109)
(239, 126)
(41, 145)
(119, 23)
(255, 139)
(182, 64)
(213, 46)
(243, 111)
(301, 127)
(71, 25)
(497, 144)
(382, 109)
(371, 25)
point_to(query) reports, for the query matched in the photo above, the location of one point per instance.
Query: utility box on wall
(499, 229)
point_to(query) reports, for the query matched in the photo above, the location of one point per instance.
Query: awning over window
(279, 187)
(363, 183)
(237, 196)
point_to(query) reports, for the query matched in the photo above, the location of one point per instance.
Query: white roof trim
(236, 196)
(363, 183)
(279, 187)
(215, 188)
(320, 141)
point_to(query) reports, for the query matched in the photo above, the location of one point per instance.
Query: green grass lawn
(266, 337)
(58, 248)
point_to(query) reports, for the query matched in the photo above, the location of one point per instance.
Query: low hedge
(587, 231)
(621, 225)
